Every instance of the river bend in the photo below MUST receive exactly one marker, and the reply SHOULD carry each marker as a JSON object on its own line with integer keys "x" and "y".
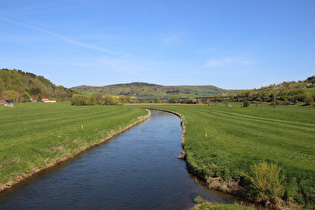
{"x": 137, "y": 169}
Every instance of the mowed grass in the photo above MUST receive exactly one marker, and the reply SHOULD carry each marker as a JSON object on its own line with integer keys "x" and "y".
{"x": 224, "y": 141}
{"x": 34, "y": 135}
{"x": 310, "y": 90}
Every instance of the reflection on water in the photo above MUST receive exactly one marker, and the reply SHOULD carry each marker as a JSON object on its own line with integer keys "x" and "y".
{"x": 135, "y": 170}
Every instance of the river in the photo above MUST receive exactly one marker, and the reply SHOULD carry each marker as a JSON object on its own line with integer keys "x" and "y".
{"x": 137, "y": 169}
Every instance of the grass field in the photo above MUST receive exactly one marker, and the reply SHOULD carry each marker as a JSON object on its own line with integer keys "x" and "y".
{"x": 36, "y": 135}
{"x": 310, "y": 90}
{"x": 225, "y": 142}
{"x": 220, "y": 141}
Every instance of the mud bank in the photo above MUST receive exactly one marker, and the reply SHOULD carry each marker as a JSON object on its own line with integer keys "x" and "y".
{"x": 24, "y": 176}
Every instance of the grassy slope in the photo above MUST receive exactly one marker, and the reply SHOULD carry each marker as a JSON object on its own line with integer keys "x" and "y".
{"x": 36, "y": 135}
{"x": 237, "y": 137}
{"x": 310, "y": 90}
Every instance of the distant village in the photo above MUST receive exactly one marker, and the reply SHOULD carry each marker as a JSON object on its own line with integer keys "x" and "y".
{"x": 7, "y": 102}
{"x": 45, "y": 100}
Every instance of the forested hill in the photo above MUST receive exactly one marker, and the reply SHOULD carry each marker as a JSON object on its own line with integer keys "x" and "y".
{"x": 286, "y": 92}
{"x": 140, "y": 89}
{"x": 17, "y": 85}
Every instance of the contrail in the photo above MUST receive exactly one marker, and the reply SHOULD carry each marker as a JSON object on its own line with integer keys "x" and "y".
{"x": 60, "y": 36}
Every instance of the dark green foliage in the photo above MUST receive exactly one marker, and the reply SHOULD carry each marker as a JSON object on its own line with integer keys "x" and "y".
{"x": 311, "y": 79}
{"x": 298, "y": 97}
{"x": 246, "y": 104}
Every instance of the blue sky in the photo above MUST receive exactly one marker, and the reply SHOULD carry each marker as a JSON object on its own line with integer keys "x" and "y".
{"x": 232, "y": 44}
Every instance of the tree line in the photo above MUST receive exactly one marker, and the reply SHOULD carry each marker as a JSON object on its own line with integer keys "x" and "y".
{"x": 98, "y": 99}
{"x": 286, "y": 93}
{"x": 20, "y": 86}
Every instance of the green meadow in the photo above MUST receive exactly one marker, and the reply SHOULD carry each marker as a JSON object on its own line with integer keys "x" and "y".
{"x": 36, "y": 135}
{"x": 221, "y": 143}
{"x": 225, "y": 142}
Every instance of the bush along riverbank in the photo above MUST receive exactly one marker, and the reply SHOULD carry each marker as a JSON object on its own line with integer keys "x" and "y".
{"x": 259, "y": 153}
{"x": 34, "y": 137}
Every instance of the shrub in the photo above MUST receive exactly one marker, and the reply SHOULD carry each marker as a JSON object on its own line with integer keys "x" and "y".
{"x": 94, "y": 99}
{"x": 190, "y": 100}
{"x": 110, "y": 100}
{"x": 122, "y": 99}
{"x": 246, "y": 104}
{"x": 173, "y": 99}
{"x": 266, "y": 181}
{"x": 309, "y": 100}
{"x": 298, "y": 97}
{"x": 79, "y": 100}
{"x": 157, "y": 100}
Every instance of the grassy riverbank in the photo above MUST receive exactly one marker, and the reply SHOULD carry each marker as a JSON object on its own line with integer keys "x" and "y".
{"x": 38, "y": 135}
{"x": 224, "y": 143}
{"x": 217, "y": 206}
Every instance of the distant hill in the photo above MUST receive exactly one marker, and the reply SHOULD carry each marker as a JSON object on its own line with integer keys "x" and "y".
{"x": 143, "y": 90}
{"x": 284, "y": 93}
{"x": 17, "y": 85}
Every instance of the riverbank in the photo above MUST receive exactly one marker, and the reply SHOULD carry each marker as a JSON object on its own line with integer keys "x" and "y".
{"x": 221, "y": 144}
{"x": 45, "y": 135}
{"x": 236, "y": 190}
{"x": 135, "y": 170}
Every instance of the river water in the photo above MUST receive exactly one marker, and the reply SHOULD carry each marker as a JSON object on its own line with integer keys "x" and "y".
{"x": 137, "y": 169}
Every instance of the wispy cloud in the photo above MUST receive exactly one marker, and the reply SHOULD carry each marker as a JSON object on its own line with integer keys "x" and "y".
{"x": 231, "y": 61}
{"x": 81, "y": 44}
{"x": 172, "y": 39}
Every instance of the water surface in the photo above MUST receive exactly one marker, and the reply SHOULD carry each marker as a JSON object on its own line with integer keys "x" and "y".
{"x": 136, "y": 170}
